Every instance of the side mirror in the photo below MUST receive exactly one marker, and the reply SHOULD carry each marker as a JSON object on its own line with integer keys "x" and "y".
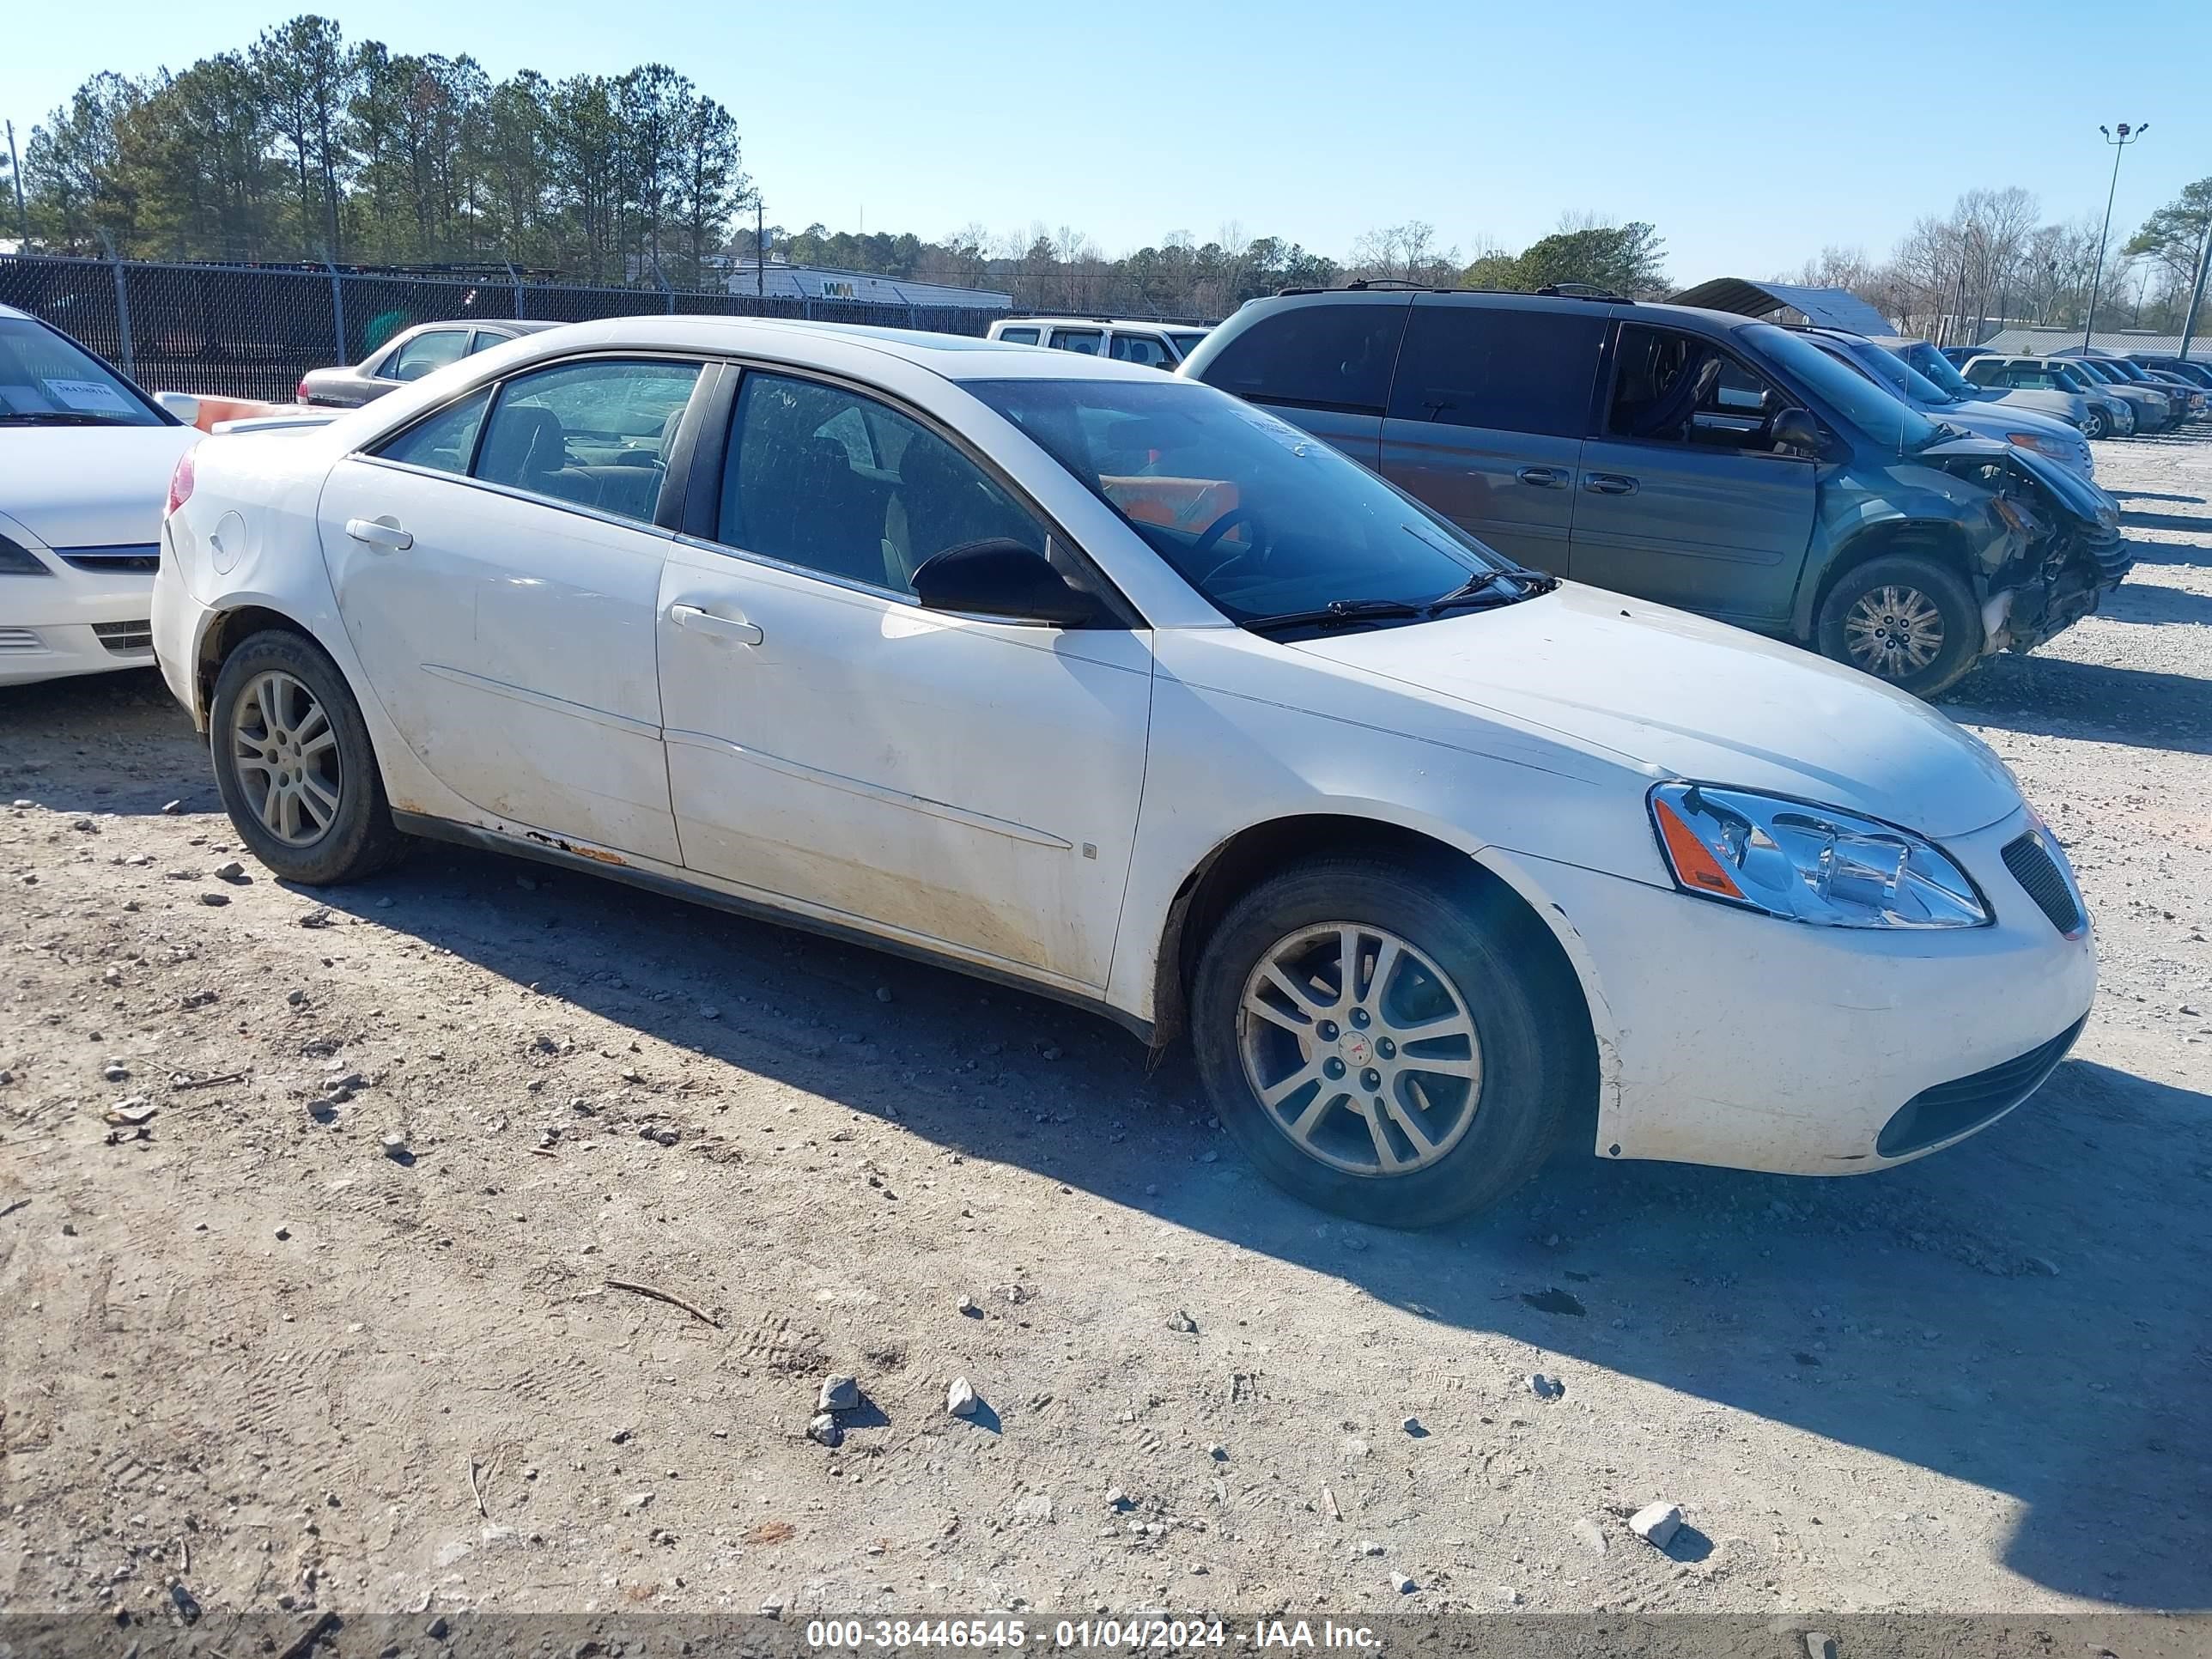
{"x": 1002, "y": 577}
{"x": 182, "y": 404}
{"x": 1795, "y": 428}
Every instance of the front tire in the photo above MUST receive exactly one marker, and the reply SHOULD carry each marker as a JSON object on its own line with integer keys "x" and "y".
{"x": 1385, "y": 1047}
{"x": 293, "y": 765}
{"x": 2094, "y": 426}
{"x": 1904, "y": 618}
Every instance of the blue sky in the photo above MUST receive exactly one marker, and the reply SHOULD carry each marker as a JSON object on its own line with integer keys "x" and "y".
{"x": 1750, "y": 136}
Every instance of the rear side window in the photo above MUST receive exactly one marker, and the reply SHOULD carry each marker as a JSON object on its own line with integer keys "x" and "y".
{"x": 1087, "y": 341}
{"x": 427, "y": 352}
{"x": 595, "y": 433}
{"x": 447, "y": 442}
{"x": 1147, "y": 349}
{"x": 1493, "y": 366}
{"x": 1315, "y": 356}
{"x": 1018, "y": 336}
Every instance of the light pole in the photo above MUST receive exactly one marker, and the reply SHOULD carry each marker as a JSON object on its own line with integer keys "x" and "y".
{"x": 2126, "y": 135}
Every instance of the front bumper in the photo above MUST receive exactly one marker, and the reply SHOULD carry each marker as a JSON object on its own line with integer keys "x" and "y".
{"x": 1752, "y": 1043}
{"x": 73, "y": 622}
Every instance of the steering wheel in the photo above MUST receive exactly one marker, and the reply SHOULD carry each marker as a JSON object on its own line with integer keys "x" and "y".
{"x": 1221, "y": 527}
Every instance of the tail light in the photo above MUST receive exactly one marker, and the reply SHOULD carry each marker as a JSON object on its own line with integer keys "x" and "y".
{"x": 300, "y": 392}
{"x": 180, "y": 484}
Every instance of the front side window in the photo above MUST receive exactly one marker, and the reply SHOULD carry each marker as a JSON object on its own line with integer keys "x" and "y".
{"x": 1499, "y": 368}
{"x": 447, "y": 442}
{"x": 1259, "y": 517}
{"x": 1673, "y": 387}
{"x": 596, "y": 433}
{"x": 47, "y": 380}
{"x": 1885, "y": 420}
{"x": 428, "y": 352}
{"x": 831, "y": 481}
{"x": 1088, "y": 341}
{"x": 1146, "y": 349}
{"x": 1334, "y": 356}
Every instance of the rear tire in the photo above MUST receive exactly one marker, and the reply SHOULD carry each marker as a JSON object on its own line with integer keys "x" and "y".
{"x": 1367, "y": 1120}
{"x": 293, "y": 764}
{"x": 1904, "y": 618}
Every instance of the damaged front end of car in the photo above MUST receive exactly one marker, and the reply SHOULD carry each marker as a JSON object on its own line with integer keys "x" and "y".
{"x": 2067, "y": 554}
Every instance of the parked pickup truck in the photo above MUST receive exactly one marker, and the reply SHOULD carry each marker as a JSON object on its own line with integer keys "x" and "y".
{"x": 1699, "y": 458}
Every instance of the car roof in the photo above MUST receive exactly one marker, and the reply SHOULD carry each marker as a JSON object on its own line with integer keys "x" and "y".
{"x": 1092, "y": 322}
{"x": 951, "y": 356}
{"x": 10, "y": 311}
{"x": 518, "y": 325}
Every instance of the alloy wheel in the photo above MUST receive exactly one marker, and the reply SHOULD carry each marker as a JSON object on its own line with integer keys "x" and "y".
{"x": 1359, "y": 1048}
{"x": 284, "y": 756}
{"x": 1894, "y": 632}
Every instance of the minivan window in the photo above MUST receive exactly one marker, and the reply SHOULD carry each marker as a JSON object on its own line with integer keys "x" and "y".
{"x": 1146, "y": 349}
{"x": 1672, "y": 387}
{"x": 1315, "y": 356}
{"x": 1018, "y": 336}
{"x": 1085, "y": 340}
{"x": 1501, "y": 368}
{"x": 1882, "y": 418}
{"x": 1260, "y": 517}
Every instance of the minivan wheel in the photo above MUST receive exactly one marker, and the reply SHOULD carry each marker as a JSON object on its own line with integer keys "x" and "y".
{"x": 1381, "y": 1047}
{"x": 293, "y": 765}
{"x": 1904, "y": 618}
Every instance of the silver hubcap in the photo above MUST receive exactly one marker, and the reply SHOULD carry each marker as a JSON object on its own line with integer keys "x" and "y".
{"x": 1359, "y": 1048}
{"x": 285, "y": 758}
{"x": 1894, "y": 632}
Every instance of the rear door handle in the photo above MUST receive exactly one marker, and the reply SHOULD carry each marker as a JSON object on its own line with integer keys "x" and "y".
{"x": 706, "y": 622}
{"x": 1609, "y": 483}
{"x": 1543, "y": 477}
{"x": 384, "y": 532}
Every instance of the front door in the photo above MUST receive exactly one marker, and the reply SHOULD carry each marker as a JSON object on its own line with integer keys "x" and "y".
{"x": 1681, "y": 497}
{"x": 1487, "y": 418}
{"x": 954, "y": 781}
{"x": 499, "y": 577}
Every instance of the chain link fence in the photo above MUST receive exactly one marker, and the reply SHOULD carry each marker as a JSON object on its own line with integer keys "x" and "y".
{"x": 251, "y": 331}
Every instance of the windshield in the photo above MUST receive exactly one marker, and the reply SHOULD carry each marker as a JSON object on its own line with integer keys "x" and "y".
{"x": 1926, "y": 359}
{"x": 1853, "y": 397}
{"x": 2089, "y": 371}
{"x": 1259, "y": 517}
{"x": 47, "y": 377}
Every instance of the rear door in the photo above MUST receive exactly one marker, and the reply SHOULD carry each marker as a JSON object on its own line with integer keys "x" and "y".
{"x": 1486, "y": 417}
{"x": 1324, "y": 363}
{"x": 1680, "y": 497}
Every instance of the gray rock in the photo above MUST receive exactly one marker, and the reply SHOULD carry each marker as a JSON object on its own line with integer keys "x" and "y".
{"x": 825, "y": 1429}
{"x": 1819, "y": 1644}
{"x": 1545, "y": 1387}
{"x": 1217, "y": 1452}
{"x": 214, "y": 898}
{"x": 967, "y": 1307}
{"x": 1033, "y": 1508}
{"x": 395, "y": 1146}
{"x": 1656, "y": 1524}
{"x": 232, "y": 870}
{"x": 1413, "y": 1426}
{"x": 637, "y": 1500}
{"x": 1591, "y": 1534}
{"x": 1403, "y": 1583}
{"x": 1117, "y": 1498}
{"x": 1367, "y": 1547}
{"x": 116, "y": 1072}
{"x": 839, "y": 1394}
{"x": 172, "y": 808}
{"x": 1181, "y": 1322}
{"x": 960, "y": 1400}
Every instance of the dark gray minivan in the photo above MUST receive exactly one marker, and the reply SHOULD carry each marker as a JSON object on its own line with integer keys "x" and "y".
{"x": 1701, "y": 460}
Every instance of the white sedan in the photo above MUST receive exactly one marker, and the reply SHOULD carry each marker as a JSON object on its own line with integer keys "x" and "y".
{"x": 1110, "y": 686}
{"x": 84, "y": 456}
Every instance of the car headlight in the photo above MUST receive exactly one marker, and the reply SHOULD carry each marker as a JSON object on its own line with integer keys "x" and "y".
{"x": 17, "y": 559}
{"x": 2039, "y": 443}
{"x": 1810, "y": 864}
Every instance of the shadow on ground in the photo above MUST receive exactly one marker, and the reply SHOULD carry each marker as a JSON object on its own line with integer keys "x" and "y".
{"x": 2054, "y": 696}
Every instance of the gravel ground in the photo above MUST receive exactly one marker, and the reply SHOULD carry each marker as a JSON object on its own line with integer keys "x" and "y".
{"x": 246, "y": 1348}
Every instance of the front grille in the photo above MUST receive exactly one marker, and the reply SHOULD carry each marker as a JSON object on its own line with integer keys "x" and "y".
{"x": 116, "y": 561}
{"x": 1952, "y": 1109}
{"x": 20, "y": 638}
{"x": 2040, "y": 877}
{"x": 124, "y": 637}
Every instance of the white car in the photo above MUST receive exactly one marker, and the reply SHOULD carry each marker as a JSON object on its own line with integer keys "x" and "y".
{"x": 1110, "y": 686}
{"x": 1156, "y": 345}
{"x": 84, "y": 458}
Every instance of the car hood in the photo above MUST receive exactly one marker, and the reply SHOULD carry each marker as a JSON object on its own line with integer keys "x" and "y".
{"x": 2015, "y": 417}
{"x": 89, "y": 486}
{"x": 1688, "y": 698}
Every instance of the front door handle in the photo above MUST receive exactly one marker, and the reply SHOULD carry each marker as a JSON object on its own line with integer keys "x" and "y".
{"x": 384, "y": 532}
{"x": 1609, "y": 483}
{"x": 1543, "y": 477}
{"x": 706, "y": 622}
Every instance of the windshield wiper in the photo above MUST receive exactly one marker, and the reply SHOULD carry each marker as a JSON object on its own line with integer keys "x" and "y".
{"x": 55, "y": 417}
{"x": 1337, "y": 613}
{"x": 1479, "y": 586}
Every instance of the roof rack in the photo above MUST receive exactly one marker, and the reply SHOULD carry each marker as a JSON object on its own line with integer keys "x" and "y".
{"x": 1584, "y": 291}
